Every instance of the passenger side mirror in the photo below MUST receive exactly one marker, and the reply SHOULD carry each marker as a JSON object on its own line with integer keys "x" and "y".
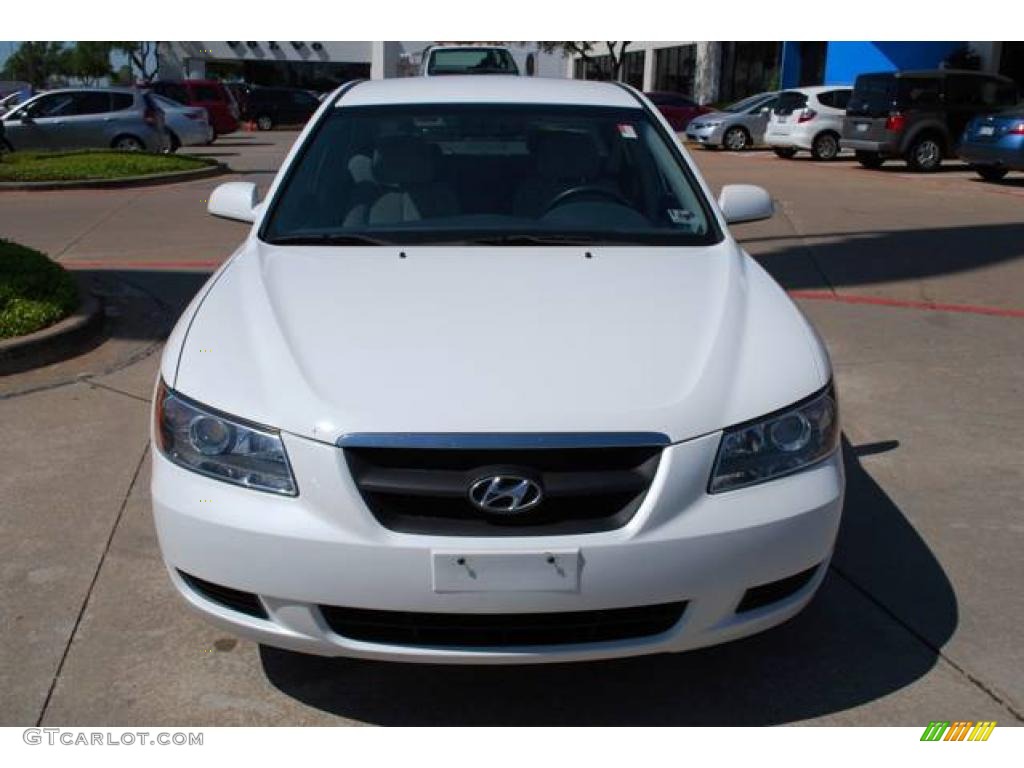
{"x": 235, "y": 200}
{"x": 745, "y": 202}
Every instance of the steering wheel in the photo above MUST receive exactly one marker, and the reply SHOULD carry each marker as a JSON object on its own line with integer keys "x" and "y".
{"x": 584, "y": 189}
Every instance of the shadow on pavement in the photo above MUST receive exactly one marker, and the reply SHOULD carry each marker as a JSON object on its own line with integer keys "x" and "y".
{"x": 845, "y": 650}
{"x": 837, "y": 259}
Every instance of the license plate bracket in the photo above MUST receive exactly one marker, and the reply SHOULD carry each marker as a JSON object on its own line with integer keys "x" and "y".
{"x": 550, "y": 570}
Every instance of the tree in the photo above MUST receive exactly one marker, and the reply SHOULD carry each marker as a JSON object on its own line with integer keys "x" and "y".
{"x": 607, "y": 67}
{"x": 89, "y": 60}
{"x": 123, "y": 75}
{"x": 144, "y": 57}
{"x": 36, "y": 63}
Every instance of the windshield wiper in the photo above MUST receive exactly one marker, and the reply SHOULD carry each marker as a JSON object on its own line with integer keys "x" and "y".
{"x": 539, "y": 239}
{"x": 328, "y": 239}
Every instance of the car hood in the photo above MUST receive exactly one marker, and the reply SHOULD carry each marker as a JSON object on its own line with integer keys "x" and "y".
{"x": 711, "y": 116}
{"x": 322, "y": 342}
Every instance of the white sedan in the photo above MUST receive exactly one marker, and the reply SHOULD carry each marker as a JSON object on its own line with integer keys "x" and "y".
{"x": 490, "y": 381}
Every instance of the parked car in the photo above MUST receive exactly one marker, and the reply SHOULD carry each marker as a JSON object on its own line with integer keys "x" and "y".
{"x": 77, "y": 118}
{"x": 240, "y": 92}
{"x": 993, "y": 144}
{"x": 211, "y": 95}
{"x": 678, "y": 109}
{"x": 186, "y": 126}
{"x": 808, "y": 119}
{"x": 10, "y": 101}
{"x": 918, "y": 115}
{"x": 736, "y": 127}
{"x": 468, "y": 60}
{"x": 269, "y": 107}
{"x": 510, "y": 392}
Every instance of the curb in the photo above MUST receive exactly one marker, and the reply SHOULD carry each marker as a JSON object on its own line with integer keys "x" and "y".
{"x": 151, "y": 180}
{"x": 55, "y": 342}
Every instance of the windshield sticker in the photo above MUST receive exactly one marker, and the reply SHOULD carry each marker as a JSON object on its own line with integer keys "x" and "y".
{"x": 627, "y": 131}
{"x": 680, "y": 216}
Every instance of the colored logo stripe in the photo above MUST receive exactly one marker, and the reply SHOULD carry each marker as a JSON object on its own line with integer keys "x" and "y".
{"x": 961, "y": 730}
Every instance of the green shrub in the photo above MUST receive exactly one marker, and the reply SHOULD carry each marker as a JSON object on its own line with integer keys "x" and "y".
{"x": 34, "y": 291}
{"x": 92, "y": 164}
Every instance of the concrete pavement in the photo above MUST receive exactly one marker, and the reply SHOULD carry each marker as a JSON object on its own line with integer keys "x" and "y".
{"x": 920, "y": 616}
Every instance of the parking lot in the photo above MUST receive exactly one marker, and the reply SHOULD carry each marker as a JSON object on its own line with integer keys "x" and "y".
{"x": 916, "y": 282}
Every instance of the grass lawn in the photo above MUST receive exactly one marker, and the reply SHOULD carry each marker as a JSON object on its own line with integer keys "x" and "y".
{"x": 34, "y": 291}
{"x": 91, "y": 164}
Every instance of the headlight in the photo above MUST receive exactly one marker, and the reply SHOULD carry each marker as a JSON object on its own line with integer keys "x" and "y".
{"x": 221, "y": 446}
{"x": 777, "y": 445}
{"x": 712, "y": 124}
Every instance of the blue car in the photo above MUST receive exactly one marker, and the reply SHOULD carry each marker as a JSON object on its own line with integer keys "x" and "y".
{"x": 994, "y": 144}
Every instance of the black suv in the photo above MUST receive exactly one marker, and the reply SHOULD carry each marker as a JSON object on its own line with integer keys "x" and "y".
{"x": 269, "y": 107}
{"x": 918, "y": 116}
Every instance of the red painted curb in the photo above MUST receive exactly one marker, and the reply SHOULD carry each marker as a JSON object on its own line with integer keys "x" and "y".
{"x": 139, "y": 265}
{"x": 843, "y": 298}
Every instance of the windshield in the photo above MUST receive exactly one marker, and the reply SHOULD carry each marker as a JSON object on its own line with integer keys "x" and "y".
{"x": 472, "y": 61}
{"x": 873, "y": 95}
{"x": 490, "y": 172}
{"x": 744, "y": 104}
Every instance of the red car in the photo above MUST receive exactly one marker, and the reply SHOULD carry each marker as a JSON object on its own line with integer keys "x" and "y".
{"x": 211, "y": 95}
{"x": 679, "y": 110}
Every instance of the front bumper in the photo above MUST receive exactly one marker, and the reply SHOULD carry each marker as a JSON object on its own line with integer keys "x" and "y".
{"x": 324, "y": 548}
{"x": 708, "y": 136}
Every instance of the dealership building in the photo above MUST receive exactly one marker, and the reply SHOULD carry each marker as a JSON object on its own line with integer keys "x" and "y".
{"x": 320, "y": 65}
{"x": 710, "y": 71}
{"x": 723, "y": 71}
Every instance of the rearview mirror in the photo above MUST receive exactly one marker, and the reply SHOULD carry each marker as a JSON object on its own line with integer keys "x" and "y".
{"x": 745, "y": 202}
{"x": 235, "y": 200}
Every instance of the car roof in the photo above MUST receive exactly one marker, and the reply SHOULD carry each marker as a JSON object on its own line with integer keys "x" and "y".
{"x": 811, "y": 90}
{"x": 492, "y": 89}
{"x": 433, "y": 48}
{"x": 932, "y": 73}
{"x": 98, "y": 89}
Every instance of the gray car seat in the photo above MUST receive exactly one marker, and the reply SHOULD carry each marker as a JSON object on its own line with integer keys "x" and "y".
{"x": 404, "y": 169}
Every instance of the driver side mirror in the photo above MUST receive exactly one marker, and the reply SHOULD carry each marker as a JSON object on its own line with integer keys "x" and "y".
{"x": 26, "y": 118}
{"x": 745, "y": 202}
{"x": 236, "y": 200}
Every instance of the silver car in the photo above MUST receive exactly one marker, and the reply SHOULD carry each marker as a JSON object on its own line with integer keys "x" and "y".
{"x": 86, "y": 118}
{"x": 186, "y": 126}
{"x": 738, "y": 126}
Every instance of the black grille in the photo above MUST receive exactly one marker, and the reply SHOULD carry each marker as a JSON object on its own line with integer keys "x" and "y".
{"x": 425, "y": 490}
{"x": 236, "y": 600}
{"x": 479, "y": 630}
{"x": 774, "y": 591}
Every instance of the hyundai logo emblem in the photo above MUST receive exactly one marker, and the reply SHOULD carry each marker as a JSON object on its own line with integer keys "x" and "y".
{"x": 505, "y": 494}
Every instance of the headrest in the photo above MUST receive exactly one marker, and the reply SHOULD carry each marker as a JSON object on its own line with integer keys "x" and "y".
{"x": 403, "y": 160}
{"x": 361, "y": 168}
{"x": 567, "y": 155}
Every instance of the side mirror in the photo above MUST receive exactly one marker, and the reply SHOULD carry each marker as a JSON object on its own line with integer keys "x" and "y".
{"x": 235, "y": 200}
{"x": 745, "y": 202}
{"x": 26, "y": 118}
